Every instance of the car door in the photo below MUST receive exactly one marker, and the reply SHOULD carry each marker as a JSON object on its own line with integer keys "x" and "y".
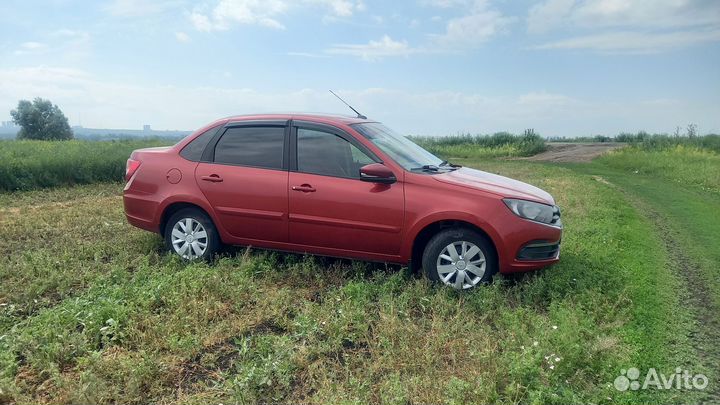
{"x": 244, "y": 177}
{"x": 330, "y": 206}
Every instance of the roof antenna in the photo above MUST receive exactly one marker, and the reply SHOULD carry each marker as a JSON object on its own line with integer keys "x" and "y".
{"x": 354, "y": 110}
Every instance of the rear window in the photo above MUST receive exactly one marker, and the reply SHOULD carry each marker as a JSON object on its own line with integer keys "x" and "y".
{"x": 194, "y": 150}
{"x": 252, "y": 146}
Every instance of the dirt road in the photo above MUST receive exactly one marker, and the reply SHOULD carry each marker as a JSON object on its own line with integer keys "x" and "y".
{"x": 574, "y": 152}
{"x": 695, "y": 294}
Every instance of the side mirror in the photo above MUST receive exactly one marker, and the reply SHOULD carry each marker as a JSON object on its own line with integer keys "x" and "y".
{"x": 377, "y": 173}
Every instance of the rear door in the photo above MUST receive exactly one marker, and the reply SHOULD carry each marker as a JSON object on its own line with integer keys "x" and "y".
{"x": 244, "y": 177}
{"x": 330, "y": 207}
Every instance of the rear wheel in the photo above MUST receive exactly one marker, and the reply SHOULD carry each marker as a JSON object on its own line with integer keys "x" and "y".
{"x": 191, "y": 234}
{"x": 460, "y": 258}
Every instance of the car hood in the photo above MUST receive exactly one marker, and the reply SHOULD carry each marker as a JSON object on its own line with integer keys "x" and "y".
{"x": 493, "y": 183}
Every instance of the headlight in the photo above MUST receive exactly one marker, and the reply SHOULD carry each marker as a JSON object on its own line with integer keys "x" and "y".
{"x": 547, "y": 214}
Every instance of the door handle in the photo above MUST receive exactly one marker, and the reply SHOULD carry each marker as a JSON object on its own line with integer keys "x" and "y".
{"x": 305, "y": 188}
{"x": 212, "y": 178}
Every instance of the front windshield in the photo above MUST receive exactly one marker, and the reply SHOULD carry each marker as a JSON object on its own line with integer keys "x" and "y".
{"x": 402, "y": 150}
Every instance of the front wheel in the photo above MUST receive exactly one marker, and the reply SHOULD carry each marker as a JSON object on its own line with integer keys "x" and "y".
{"x": 460, "y": 258}
{"x": 191, "y": 234}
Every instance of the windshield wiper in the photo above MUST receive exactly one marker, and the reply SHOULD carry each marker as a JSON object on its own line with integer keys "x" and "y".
{"x": 448, "y": 164}
{"x": 444, "y": 166}
{"x": 430, "y": 168}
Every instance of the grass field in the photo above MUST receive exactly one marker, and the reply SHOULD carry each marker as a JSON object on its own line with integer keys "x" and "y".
{"x": 109, "y": 318}
{"x": 679, "y": 165}
{"x": 501, "y": 144}
{"x": 654, "y": 142}
{"x": 93, "y": 311}
{"x": 30, "y": 165}
{"x": 27, "y": 165}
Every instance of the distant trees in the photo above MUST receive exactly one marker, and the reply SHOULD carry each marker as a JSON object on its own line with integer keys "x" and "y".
{"x": 41, "y": 119}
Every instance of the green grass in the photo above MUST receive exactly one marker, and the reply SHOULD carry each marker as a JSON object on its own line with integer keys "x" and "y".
{"x": 680, "y": 165}
{"x": 648, "y": 141}
{"x": 687, "y": 206}
{"x": 664, "y": 141}
{"x": 27, "y": 165}
{"x": 92, "y": 311}
{"x": 501, "y": 144}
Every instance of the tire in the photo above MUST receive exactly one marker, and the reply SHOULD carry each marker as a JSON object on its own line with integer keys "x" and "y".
{"x": 201, "y": 243}
{"x": 440, "y": 264}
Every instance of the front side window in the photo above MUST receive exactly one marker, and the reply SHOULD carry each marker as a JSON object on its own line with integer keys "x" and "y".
{"x": 252, "y": 146}
{"x": 327, "y": 154}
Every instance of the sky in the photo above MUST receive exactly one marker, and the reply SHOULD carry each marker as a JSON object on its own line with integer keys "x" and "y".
{"x": 423, "y": 67}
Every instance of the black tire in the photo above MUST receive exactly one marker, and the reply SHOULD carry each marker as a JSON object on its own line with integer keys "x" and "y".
{"x": 212, "y": 239}
{"x": 445, "y": 238}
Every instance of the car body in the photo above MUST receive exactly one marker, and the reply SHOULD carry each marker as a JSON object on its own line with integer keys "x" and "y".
{"x": 335, "y": 186}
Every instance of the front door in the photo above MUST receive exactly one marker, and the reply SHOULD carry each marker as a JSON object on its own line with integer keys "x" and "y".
{"x": 246, "y": 183}
{"x": 330, "y": 207}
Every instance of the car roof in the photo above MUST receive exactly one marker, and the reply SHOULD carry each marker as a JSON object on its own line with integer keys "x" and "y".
{"x": 317, "y": 117}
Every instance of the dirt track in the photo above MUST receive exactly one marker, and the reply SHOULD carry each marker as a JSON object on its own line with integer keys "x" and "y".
{"x": 574, "y": 152}
{"x": 697, "y": 296}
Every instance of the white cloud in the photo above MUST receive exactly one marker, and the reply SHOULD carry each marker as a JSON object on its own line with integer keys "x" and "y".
{"x": 340, "y": 8}
{"x": 656, "y": 13}
{"x": 374, "y": 50}
{"x": 547, "y": 15}
{"x": 260, "y": 12}
{"x": 635, "y": 42}
{"x": 543, "y": 98}
{"x": 106, "y": 104}
{"x": 69, "y": 44}
{"x": 479, "y": 23}
{"x": 445, "y": 3}
{"x": 472, "y": 30}
{"x": 201, "y": 22}
{"x": 227, "y": 13}
{"x": 182, "y": 37}
{"x": 32, "y": 46}
{"x": 462, "y": 33}
{"x": 623, "y": 13}
{"x": 627, "y": 26}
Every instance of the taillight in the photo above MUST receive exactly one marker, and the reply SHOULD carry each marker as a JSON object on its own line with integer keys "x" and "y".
{"x": 131, "y": 168}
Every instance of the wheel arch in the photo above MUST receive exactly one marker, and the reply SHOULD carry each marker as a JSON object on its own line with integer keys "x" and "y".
{"x": 425, "y": 232}
{"x": 173, "y": 207}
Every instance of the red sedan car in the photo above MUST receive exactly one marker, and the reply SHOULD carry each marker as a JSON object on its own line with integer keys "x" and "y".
{"x": 338, "y": 186}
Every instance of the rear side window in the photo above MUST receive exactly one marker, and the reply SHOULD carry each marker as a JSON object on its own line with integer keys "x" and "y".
{"x": 194, "y": 150}
{"x": 252, "y": 146}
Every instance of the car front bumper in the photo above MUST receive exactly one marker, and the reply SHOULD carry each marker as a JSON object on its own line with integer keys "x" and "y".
{"x": 529, "y": 246}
